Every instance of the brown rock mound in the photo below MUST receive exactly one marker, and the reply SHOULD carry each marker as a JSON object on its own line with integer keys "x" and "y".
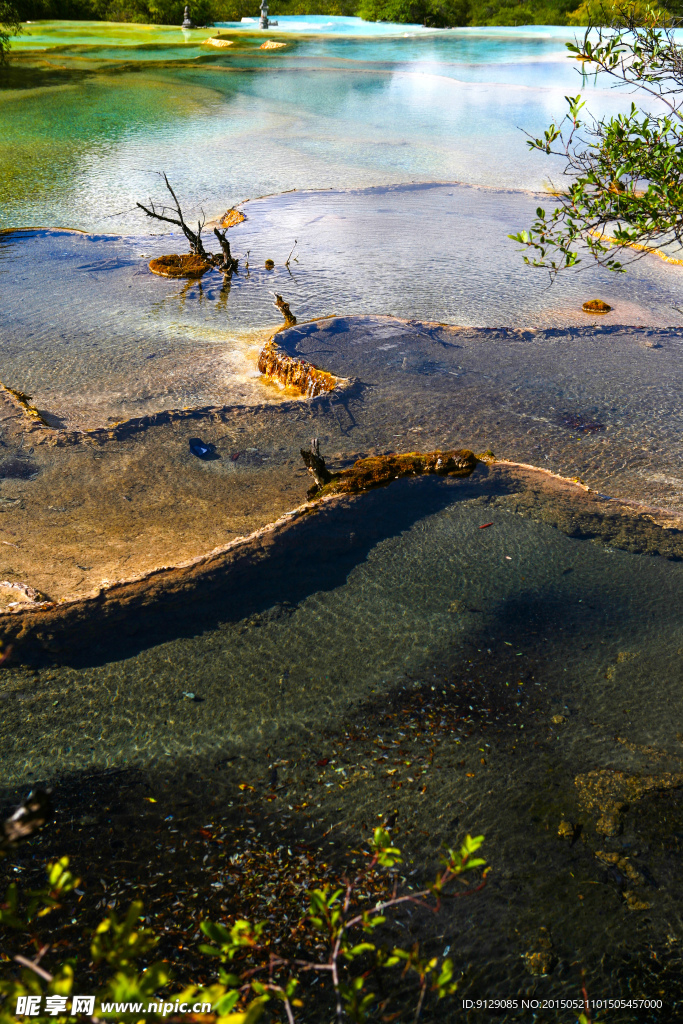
{"x": 596, "y": 306}
{"x": 179, "y": 266}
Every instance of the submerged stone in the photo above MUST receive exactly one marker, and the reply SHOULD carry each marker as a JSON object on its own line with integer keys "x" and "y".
{"x": 17, "y": 469}
{"x": 203, "y": 449}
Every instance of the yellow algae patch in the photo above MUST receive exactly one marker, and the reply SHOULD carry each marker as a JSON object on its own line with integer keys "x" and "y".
{"x": 217, "y": 41}
{"x": 270, "y": 44}
{"x": 641, "y": 248}
{"x": 179, "y": 266}
{"x": 22, "y": 403}
{"x": 603, "y": 789}
{"x": 609, "y": 792}
{"x": 232, "y": 217}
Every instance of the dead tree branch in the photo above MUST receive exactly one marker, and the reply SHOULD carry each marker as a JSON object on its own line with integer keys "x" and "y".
{"x": 229, "y": 264}
{"x": 290, "y": 319}
{"x": 193, "y": 237}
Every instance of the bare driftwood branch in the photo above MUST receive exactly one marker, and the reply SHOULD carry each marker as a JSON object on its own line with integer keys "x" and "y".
{"x": 287, "y": 261}
{"x": 290, "y": 319}
{"x": 193, "y": 237}
{"x": 315, "y": 464}
{"x": 33, "y": 966}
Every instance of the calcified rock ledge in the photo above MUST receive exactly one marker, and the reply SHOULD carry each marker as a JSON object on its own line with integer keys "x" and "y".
{"x": 17, "y": 414}
{"x": 50, "y": 625}
{"x": 21, "y": 417}
{"x": 296, "y": 373}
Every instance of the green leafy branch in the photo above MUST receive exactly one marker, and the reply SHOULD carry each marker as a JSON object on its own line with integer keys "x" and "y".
{"x": 350, "y": 937}
{"x": 626, "y": 187}
{"x": 335, "y": 921}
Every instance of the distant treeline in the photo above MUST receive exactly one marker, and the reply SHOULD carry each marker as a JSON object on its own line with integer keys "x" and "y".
{"x": 434, "y": 13}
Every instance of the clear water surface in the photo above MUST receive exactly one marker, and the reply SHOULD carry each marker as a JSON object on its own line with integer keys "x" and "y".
{"x": 394, "y": 157}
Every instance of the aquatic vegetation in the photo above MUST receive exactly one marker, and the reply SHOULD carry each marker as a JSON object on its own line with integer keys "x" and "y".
{"x": 180, "y": 266}
{"x": 609, "y": 792}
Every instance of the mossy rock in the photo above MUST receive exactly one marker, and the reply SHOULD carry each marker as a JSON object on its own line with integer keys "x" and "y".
{"x": 179, "y": 266}
{"x": 379, "y": 470}
{"x": 596, "y": 306}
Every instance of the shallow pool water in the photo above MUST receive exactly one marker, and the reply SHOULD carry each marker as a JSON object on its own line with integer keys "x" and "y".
{"x": 87, "y": 125}
{"x": 495, "y": 639}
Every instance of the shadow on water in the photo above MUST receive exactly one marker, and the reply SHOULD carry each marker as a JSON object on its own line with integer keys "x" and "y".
{"x": 18, "y": 75}
{"x": 315, "y": 555}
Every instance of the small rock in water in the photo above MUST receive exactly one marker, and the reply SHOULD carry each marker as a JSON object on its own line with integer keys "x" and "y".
{"x": 633, "y": 901}
{"x": 542, "y": 959}
{"x": 540, "y": 963}
{"x": 596, "y": 306}
{"x": 202, "y": 449}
